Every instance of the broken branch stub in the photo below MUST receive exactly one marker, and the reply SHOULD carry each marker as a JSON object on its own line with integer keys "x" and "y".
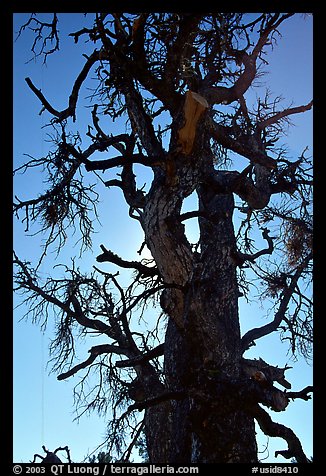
{"x": 194, "y": 106}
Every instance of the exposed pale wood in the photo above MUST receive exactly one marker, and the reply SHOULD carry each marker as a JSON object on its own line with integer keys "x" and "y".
{"x": 194, "y": 107}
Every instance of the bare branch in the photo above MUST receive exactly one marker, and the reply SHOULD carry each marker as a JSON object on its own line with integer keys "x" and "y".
{"x": 177, "y": 53}
{"x": 41, "y": 97}
{"x": 157, "y": 400}
{"x": 266, "y": 251}
{"x": 256, "y": 196}
{"x": 272, "y": 373}
{"x": 64, "y": 448}
{"x": 142, "y": 359}
{"x": 71, "y": 109}
{"x": 119, "y": 161}
{"x": 78, "y": 367}
{"x": 52, "y": 37}
{"x": 108, "y": 255}
{"x": 259, "y": 332}
{"x": 66, "y": 179}
{"x": 134, "y": 197}
{"x": 220, "y": 94}
{"x": 222, "y": 135}
{"x": 94, "y": 351}
{"x": 95, "y": 324}
{"x": 270, "y": 428}
{"x": 303, "y": 394}
{"x": 28, "y": 281}
{"x": 271, "y": 25}
{"x": 162, "y": 89}
{"x": 193, "y": 214}
{"x": 287, "y": 112}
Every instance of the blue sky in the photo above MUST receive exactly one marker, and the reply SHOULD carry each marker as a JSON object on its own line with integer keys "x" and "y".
{"x": 43, "y": 406}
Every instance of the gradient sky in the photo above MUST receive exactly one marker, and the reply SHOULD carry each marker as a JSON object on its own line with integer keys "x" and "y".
{"x": 43, "y": 406}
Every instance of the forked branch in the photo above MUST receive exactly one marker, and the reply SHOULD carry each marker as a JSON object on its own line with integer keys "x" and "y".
{"x": 270, "y": 428}
{"x": 94, "y": 351}
{"x": 70, "y": 111}
{"x": 111, "y": 257}
{"x": 302, "y": 394}
{"x": 269, "y": 250}
{"x": 259, "y": 332}
{"x": 142, "y": 359}
{"x": 280, "y": 115}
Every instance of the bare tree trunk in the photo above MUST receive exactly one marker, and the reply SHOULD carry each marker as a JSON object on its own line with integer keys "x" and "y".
{"x": 202, "y": 342}
{"x": 222, "y": 431}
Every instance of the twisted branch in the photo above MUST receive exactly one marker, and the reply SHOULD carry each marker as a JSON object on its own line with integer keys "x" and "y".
{"x": 270, "y": 428}
{"x": 262, "y": 331}
{"x": 94, "y": 351}
{"x": 108, "y": 255}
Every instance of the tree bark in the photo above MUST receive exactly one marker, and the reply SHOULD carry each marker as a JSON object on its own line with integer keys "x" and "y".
{"x": 222, "y": 431}
{"x": 202, "y": 342}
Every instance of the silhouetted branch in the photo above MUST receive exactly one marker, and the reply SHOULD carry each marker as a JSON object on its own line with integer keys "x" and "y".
{"x": 272, "y": 373}
{"x": 161, "y": 88}
{"x": 239, "y": 183}
{"x": 142, "y": 359}
{"x": 111, "y": 257}
{"x": 303, "y": 394}
{"x": 52, "y": 37}
{"x": 221, "y": 94}
{"x": 157, "y": 400}
{"x": 259, "y": 332}
{"x": 64, "y": 448}
{"x": 72, "y": 103}
{"x": 266, "y": 251}
{"x": 222, "y": 135}
{"x": 41, "y": 97}
{"x": 120, "y": 160}
{"x": 270, "y": 428}
{"x": 287, "y": 112}
{"x": 94, "y": 351}
{"x": 193, "y": 214}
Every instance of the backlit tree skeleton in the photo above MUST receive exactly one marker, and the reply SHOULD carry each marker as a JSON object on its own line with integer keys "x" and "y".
{"x": 199, "y": 395}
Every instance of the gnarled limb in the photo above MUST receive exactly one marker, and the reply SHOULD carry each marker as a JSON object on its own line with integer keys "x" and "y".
{"x": 252, "y": 257}
{"x": 164, "y": 397}
{"x": 239, "y": 183}
{"x": 219, "y": 94}
{"x": 223, "y": 135}
{"x": 119, "y": 161}
{"x": 141, "y": 359}
{"x": 52, "y": 37}
{"x": 271, "y": 428}
{"x": 135, "y": 198}
{"x": 303, "y": 394}
{"x": 95, "y": 352}
{"x": 163, "y": 89}
{"x": 262, "y": 331}
{"x": 176, "y": 54}
{"x": 111, "y": 257}
{"x": 70, "y": 111}
{"x": 272, "y": 373}
{"x": 280, "y": 115}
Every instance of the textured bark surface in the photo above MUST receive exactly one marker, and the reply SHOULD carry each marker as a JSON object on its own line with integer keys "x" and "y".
{"x": 202, "y": 340}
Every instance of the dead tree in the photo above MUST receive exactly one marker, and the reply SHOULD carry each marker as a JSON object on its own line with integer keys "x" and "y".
{"x": 180, "y": 82}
